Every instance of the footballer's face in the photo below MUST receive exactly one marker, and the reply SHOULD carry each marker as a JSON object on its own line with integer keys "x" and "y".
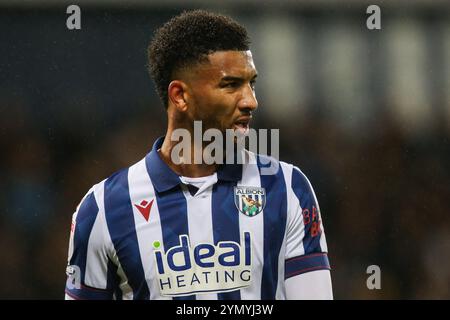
{"x": 222, "y": 91}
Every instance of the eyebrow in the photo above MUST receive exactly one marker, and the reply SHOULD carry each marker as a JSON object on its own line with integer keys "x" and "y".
{"x": 233, "y": 78}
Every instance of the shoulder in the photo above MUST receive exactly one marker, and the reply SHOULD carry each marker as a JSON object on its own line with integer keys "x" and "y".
{"x": 115, "y": 187}
{"x": 269, "y": 165}
{"x": 117, "y": 182}
{"x": 294, "y": 178}
{"x": 299, "y": 179}
{"x": 88, "y": 207}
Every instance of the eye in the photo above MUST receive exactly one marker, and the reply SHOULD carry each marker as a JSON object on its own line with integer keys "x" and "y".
{"x": 231, "y": 85}
{"x": 253, "y": 84}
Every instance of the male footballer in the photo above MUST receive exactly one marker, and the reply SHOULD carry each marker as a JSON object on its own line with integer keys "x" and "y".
{"x": 166, "y": 229}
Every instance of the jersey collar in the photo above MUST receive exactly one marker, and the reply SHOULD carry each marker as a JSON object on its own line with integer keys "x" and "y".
{"x": 164, "y": 178}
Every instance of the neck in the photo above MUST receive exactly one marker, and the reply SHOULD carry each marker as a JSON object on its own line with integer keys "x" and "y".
{"x": 187, "y": 167}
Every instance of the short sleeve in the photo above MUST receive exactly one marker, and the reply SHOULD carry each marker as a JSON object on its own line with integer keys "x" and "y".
{"x": 88, "y": 265}
{"x": 306, "y": 247}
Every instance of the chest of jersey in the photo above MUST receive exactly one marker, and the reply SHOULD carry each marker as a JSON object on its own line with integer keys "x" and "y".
{"x": 222, "y": 239}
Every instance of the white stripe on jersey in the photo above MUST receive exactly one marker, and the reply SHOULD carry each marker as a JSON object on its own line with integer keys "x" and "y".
{"x": 290, "y": 214}
{"x": 127, "y": 291}
{"x": 295, "y": 227}
{"x": 254, "y": 225}
{"x": 141, "y": 188}
{"x": 200, "y": 222}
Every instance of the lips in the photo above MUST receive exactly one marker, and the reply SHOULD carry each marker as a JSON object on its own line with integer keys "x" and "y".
{"x": 242, "y": 124}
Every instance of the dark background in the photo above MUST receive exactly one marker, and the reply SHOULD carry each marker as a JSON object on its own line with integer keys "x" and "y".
{"x": 364, "y": 113}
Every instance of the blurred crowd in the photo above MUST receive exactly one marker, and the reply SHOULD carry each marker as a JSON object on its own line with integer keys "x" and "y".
{"x": 384, "y": 196}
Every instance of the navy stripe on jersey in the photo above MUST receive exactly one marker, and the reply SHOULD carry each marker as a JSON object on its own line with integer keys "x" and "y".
{"x": 170, "y": 199}
{"x": 87, "y": 213}
{"x": 174, "y": 221}
{"x": 225, "y": 218}
{"x": 121, "y": 226}
{"x": 304, "y": 193}
{"x": 89, "y": 293}
{"x": 303, "y": 264}
{"x": 113, "y": 280}
{"x": 275, "y": 215}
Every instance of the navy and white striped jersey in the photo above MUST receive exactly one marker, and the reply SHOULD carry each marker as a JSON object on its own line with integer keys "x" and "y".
{"x": 143, "y": 234}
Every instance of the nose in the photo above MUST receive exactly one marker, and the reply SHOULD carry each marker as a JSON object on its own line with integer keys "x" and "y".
{"x": 248, "y": 100}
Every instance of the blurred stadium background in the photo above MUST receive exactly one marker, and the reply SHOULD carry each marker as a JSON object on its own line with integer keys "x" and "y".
{"x": 365, "y": 114}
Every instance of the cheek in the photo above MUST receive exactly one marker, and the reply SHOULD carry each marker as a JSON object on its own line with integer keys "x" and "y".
{"x": 219, "y": 117}
{"x": 216, "y": 105}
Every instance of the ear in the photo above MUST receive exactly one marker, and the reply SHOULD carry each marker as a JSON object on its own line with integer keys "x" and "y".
{"x": 177, "y": 95}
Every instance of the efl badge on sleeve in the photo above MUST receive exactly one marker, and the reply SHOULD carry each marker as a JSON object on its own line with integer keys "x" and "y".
{"x": 250, "y": 200}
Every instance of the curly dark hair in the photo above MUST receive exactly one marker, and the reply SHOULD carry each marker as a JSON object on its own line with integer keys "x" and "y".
{"x": 186, "y": 40}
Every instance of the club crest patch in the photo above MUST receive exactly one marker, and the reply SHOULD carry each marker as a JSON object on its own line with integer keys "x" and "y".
{"x": 250, "y": 200}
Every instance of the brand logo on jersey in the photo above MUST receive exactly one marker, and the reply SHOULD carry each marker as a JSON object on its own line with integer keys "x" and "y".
{"x": 144, "y": 208}
{"x": 205, "y": 268}
{"x": 250, "y": 200}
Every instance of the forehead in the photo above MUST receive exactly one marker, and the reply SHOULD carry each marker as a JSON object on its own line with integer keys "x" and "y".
{"x": 228, "y": 63}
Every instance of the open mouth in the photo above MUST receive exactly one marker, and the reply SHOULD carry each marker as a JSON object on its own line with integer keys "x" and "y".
{"x": 242, "y": 125}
